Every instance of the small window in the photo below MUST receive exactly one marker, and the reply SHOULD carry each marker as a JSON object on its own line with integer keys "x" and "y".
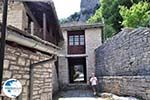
{"x": 82, "y": 40}
{"x": 71, "y": 43}
{"x": 76, "y": 43}
{"x": 76, "y": 40}
{"x": 81, "y": 36}
{"x": 71, "y": 40}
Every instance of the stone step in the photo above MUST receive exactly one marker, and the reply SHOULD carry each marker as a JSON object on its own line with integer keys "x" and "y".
{"x": 77, "y": 86}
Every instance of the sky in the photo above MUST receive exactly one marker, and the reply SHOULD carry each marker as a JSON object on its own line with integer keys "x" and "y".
{"x": 65, "y": 8}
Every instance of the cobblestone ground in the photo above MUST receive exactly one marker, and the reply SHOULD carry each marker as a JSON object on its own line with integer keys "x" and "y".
{"x": 76, "y": 95}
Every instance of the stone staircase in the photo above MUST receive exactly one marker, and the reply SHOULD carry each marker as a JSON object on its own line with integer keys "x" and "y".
{"x": 77, "y": 86}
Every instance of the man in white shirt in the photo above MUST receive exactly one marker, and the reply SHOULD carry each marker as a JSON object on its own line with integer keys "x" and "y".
{"x": 94, "y": 82}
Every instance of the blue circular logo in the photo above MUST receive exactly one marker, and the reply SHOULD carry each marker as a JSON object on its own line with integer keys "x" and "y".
{"x": 12, "y": 88}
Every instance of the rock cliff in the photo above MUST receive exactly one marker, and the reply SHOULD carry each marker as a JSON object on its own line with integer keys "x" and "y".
{"x": 87, "y": 9}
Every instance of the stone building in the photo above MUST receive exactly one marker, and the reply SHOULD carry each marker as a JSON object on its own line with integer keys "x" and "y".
{"x": 77, "y": 57}
{"x": 32, "y": 45}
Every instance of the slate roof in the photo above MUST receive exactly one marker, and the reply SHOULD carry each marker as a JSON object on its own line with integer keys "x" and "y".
{"x": 80, "y": 26}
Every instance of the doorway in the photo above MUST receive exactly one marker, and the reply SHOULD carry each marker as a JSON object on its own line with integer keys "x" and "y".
{"x": 77, "y": 70}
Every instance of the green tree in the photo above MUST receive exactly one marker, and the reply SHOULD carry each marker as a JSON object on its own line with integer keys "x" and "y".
{"x": 109, "y": 11}
{"x": 137, "y": 15}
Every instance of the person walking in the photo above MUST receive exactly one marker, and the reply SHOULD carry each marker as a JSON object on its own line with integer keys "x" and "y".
{"x": 94, "y": 83}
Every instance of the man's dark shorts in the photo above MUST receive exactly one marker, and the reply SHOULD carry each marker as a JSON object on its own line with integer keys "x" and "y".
{"x": 94, "y": 86}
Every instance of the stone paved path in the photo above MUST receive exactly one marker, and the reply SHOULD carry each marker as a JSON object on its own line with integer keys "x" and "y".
{"x": 76, "y": 95}
{"x": 84, "y": 92}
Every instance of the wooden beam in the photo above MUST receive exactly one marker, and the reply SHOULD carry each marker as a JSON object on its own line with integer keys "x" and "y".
{"x": 44, "y": 26}
{"x": 32, "y": 28}
{"x": 30, "y": 14}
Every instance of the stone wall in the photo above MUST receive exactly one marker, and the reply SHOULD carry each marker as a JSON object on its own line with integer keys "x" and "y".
{"x": 63, "y": 71}
{"x": 93, "y": 39}
{"x": 16, "y": 16}
{"x": 63, "y": 62}
{"x": 16, "y": 65}
{"x": 55, "y": 80}
{"x": 136, "y": 86}
{"x": 127, "y": 53}
{"x": 123, "y": 63}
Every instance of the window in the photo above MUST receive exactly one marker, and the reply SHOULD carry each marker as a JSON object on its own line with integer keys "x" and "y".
{"x": 76, "y": 40}
{"x": 81, "y": 39}
{"x": 70, "y": 40}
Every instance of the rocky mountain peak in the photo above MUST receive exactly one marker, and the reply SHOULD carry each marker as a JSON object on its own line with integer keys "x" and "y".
{"x": 89, "y": 5}
{"x": 88, "y": 8}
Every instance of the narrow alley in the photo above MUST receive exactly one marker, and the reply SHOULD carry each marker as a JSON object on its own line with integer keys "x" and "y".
{"x": 84, "y": 92}
{"x": 76, "y": 94}
{"x": 98, "y": 51}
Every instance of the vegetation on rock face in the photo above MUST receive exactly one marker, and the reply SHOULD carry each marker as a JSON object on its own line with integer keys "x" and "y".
{"x": 71, "y": 18}
{"x": 137, "y": 15}
{"x": 109, "y": 14}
